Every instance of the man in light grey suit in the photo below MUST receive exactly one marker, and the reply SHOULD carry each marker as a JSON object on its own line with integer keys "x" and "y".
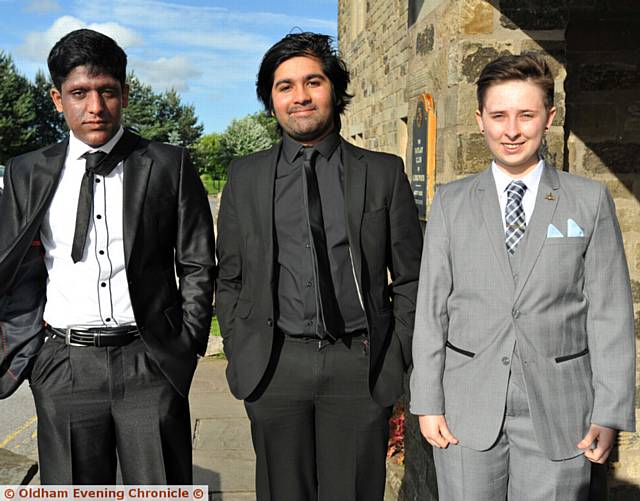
{"x": 523, "y": 349}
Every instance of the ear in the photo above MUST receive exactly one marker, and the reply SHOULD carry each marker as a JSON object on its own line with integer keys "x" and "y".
{"x": 550, "y": 116}
{"x": 56, "y": 97}
{"x": 125, "y": 95}
{"x": 479, "y": 121}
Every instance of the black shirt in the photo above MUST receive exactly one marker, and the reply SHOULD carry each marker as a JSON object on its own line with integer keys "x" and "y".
{"x": 296, "y": 283}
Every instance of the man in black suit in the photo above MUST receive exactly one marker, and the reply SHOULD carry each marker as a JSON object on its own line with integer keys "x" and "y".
{"x": 316, "y": 337}
{"x": 117, "y": 218}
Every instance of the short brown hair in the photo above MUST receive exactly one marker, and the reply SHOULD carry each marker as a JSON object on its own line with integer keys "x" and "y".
{"x": 517, "y": 67}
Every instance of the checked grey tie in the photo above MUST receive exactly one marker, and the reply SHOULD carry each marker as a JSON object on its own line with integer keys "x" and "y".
{"x": 514, "y": 215}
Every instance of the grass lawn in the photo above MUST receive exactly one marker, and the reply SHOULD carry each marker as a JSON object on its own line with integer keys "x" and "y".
{"x": 215, "y": 328}
{"x": 213, "y": 186}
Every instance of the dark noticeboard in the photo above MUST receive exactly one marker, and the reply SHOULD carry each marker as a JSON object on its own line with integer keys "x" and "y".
{"x": 423, "y": 154}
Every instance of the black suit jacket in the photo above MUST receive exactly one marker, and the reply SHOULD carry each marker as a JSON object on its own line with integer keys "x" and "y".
{"x": 167, "y": 221}
{"x": 384, "y": 236}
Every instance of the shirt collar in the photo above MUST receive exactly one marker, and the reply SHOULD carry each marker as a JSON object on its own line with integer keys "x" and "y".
{"x": 77, "y": 148}
{"x": 326, "y": 147}
{"x": 531, "y": 180}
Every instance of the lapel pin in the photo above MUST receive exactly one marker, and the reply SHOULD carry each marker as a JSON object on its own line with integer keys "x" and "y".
{"x": 550, "y": 196}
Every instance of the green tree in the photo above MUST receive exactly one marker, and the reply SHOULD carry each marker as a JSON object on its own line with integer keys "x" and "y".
{"x": 206, "y": 156}
{"x": 270, "y": 123}
{"x": 50, "y": 126}
{"x": 241, "y": 137}
{"x": 160, "y": 117}
{"x": 17, "y": 111}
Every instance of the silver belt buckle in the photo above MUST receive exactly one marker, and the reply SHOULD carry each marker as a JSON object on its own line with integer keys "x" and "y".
{"x": 67, "y": 338}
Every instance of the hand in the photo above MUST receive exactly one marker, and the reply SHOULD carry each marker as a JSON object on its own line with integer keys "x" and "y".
{"x": 603, "y": 437}
{"x": 434, "y": 428}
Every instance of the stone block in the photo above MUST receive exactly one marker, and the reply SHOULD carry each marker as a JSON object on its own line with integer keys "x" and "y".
{"x": 473, "y": 154}
{"x": 629, "y": 219}
{"x": 476, "y": 17}
{"x": 554, "y": 52}
{"x": 594, "y": 120}
{"x": 466, "y": 105}
{"x": 621, "y": 187}
{"x": 424, "y": 40}
{"x": 16, "y": 469}
{"x": 621, "y": 34}
{"x": 554, "y": 154}
{"x": 473, "y": 56}
{"x": 609, "y": 77}
{"x": 635, "y": 294}
{"x": 611, "y": 156}
{"x": 214, "y": 346}
{"x": 533, "y": 15}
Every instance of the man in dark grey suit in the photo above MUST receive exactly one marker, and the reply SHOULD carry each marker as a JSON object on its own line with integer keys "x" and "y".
{"x": 316, "y": 337}
{"x": 116, "y": 218}
{"x": 524, "y": 348}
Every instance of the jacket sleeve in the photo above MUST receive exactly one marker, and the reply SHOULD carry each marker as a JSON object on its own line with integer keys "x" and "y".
{"x": 405, "y": 238}
{"x": 229, "y": 253}
{"x": 195, "y": 256}
{"x": 610, "y": 326}
{"x": 432, "y": 319}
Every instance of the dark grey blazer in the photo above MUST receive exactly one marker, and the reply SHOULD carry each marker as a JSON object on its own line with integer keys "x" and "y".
{"x": 167, "y": 220}
{"x": 384, "y": 236}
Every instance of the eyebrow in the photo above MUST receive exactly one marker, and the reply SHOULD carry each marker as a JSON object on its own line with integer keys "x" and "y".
{"x": 308, "y": 77}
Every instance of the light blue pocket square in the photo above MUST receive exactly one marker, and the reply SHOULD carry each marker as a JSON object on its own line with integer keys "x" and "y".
{"x": 553, "y": 232}
{"x": 573, "y": 230}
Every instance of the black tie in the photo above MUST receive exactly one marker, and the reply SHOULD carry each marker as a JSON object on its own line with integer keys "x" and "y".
{"x": 101, "y": 164}
{"x": 329, "y": 312}
{"x": 85, "y": 203}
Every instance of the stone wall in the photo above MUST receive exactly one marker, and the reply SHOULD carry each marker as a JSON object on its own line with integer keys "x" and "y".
{"x": 593, "y": 47}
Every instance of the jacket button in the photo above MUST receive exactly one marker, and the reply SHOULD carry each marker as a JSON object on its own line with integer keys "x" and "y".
{"x": 505, "y": 360}
{"x": 515, "y": 314}
{"x": 269, "y": 322}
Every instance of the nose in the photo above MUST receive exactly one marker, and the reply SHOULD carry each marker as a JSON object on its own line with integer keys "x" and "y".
{"x": 512, "y": 128}
{"x": 301, "y": 95}
{"x": 95, "y": 103}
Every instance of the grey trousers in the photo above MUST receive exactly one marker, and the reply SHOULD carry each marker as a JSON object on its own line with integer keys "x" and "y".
{"x": 97, "y": 406}
{"x": 514, "y": 468}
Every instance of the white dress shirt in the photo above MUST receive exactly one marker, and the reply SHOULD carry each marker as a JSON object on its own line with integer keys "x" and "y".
{"x": 531, "y": 181}
{"x": 94, "y": 291}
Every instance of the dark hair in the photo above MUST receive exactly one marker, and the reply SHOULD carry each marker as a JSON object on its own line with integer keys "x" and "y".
{"x": 310, "y": 45}
{"x": 512, "y": 67}
{"x": 99, "y": 53}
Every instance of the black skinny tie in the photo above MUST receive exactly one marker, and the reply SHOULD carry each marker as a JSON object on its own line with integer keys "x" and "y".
{"x": 93, "y": 166}
{"x": 330, "y": 313}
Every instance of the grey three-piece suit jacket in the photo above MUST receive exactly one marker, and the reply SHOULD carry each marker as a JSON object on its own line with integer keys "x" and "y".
{"x": 567, "y": 308}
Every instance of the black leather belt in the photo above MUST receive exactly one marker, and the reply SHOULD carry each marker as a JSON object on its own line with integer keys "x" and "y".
{"x": 91, "y": 336}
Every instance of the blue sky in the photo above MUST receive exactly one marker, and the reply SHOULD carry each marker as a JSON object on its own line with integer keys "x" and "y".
{"x": 209, "y": 51}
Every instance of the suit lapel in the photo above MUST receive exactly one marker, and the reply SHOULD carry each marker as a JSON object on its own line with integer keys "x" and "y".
{"x": 543, "y": 212}
{"x": 137, "y": 168}
{"x": 264, "y": 193}
{"x": 490, "y": 208}
{"x": 355, "y": 180}
{"x": 46, "y": 174}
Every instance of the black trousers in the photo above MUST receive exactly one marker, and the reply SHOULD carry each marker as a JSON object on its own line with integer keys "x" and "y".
{"x": 95, "y": 403}
{"x": 317, "y": 433}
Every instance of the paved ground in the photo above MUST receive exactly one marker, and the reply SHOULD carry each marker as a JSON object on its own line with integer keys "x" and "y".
{"x": 223, "y": 455}
{"x": 222, "y": 452}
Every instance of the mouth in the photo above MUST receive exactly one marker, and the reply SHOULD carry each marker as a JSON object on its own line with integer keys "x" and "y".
{"x": 95, "y": 123}
{"x": 302, "y": 111}
{"x": 512, "y": 147}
